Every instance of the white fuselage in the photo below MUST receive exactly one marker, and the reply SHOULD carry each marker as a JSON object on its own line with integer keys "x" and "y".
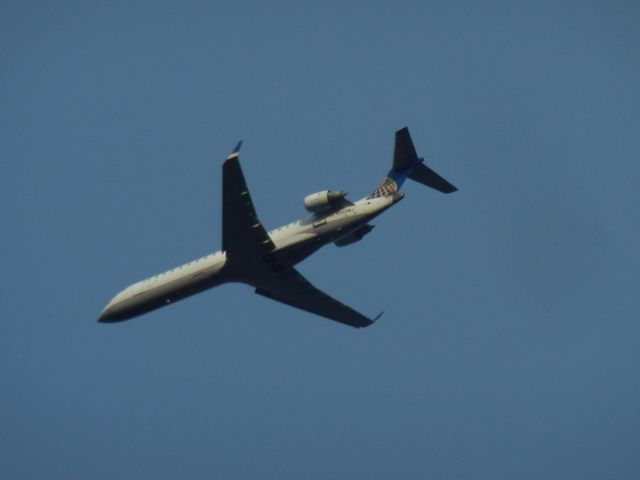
{"x": 294, "y": 241}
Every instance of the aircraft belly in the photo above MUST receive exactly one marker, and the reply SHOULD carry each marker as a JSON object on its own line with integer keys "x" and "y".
{"x": 342, "y": 226}
{"x": 298, "y": 247}
{"x": 297, "y": 252}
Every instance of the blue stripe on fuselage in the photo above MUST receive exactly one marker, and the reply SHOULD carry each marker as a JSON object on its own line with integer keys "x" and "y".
{"x": 399, "y": 176}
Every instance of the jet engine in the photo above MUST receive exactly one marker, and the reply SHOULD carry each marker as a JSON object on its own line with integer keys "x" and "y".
{"x": 354, "y": 237}
{"x": 320, "y": 201}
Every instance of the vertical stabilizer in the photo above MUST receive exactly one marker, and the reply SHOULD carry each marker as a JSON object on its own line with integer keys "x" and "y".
{"x": 407, "y": 164}
{"x": 404, "y": 153}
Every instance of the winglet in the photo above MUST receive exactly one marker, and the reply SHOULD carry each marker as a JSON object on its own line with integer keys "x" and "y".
{"x": 378, "y": 316}
{"x": 236, "y": 151}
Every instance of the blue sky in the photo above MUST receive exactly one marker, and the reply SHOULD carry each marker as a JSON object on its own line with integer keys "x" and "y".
{"x": 509, "y": 346}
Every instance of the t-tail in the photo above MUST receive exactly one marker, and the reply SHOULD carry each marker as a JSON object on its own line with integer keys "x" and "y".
{"x": 407, "y": 164}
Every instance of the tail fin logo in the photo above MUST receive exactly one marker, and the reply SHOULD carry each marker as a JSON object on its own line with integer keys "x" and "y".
{"x": 387, "y": 187}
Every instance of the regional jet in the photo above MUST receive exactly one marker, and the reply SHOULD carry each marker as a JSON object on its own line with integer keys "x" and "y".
{"x": 266, "y": 260}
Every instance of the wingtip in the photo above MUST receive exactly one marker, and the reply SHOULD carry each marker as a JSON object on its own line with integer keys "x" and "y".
{"x": 449, "y": 188}
{"x": 371, "y": 321}
{"x": 236, "y": 151}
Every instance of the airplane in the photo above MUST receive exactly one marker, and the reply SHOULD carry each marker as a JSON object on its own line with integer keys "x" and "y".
{"x": 265, "y": 260}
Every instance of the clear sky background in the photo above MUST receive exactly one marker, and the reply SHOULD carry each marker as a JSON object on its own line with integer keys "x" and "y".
{"x": 509, "y": 346}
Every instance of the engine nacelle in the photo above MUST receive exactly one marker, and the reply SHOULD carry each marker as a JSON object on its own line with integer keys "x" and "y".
{"x": 320, "y": 201}
{"x": 354, "y": 237}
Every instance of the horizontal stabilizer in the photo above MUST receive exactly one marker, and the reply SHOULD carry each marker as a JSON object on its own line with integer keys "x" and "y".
{"x": 424, "y": 175}
{"x": 406, "y": 164}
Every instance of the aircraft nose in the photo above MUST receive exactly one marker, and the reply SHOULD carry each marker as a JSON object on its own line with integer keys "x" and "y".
{"x": 116, "y": 310}
{"x": 107, "y": 315}
{"x": 113, "y": 312}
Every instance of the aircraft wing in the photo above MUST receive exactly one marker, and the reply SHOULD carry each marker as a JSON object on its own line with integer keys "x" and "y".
{"x": 242, "y": 232}
{"x": 290, "y": 287}
{"x": 248, "y": 243}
